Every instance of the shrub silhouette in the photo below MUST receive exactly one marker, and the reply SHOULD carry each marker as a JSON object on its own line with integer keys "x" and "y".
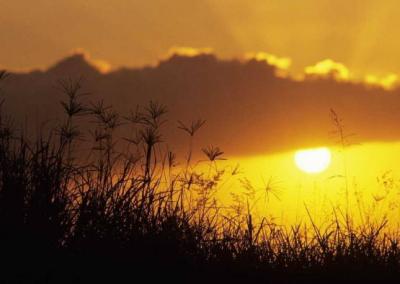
{"x": 66, "y": 217}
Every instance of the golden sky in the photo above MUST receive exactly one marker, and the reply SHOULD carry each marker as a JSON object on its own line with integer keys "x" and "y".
{"x": 362, "y": 35}
{"x": 349, "y": 39}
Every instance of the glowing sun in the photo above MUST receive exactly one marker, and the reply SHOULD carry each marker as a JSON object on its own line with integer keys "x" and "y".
{"x": 313, "y": 161}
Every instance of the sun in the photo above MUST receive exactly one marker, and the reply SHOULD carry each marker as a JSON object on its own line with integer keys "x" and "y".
{"x": 313, "y": 161}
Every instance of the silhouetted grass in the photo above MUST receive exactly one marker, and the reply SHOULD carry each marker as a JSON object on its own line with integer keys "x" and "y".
{"x": 73, "y": 209}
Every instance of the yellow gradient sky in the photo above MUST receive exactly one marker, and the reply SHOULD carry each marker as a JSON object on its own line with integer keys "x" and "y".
{"x": 356, "y": 39}
{"x": 282, "y": 190}
{"x": 360, "y": 34}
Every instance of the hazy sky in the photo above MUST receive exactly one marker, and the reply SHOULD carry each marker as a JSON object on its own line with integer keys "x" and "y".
{"x": 362, "y": 34}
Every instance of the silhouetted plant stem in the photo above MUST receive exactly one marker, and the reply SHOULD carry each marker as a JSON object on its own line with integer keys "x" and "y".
{"x": 339, "y": 131}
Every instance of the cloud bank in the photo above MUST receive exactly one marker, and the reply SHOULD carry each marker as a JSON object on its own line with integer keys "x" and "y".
{"x": 249, "y": 107}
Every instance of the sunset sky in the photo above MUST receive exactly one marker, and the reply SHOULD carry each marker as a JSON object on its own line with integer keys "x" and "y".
{"x": 199, "y": 55}
{"x": 207, "y": 141}
{"x": 359, "y": 34}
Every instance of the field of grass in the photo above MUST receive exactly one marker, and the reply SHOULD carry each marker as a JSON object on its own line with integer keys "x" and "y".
{"x": 75, "y": 209}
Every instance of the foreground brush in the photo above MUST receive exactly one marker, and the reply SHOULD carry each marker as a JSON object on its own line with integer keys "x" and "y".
{"x": 75, "y": 209}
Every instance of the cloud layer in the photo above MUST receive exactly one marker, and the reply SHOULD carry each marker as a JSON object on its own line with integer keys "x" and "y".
{"x": 249, "y": 107}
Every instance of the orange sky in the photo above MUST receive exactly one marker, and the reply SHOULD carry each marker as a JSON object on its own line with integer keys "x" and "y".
{"x": 359, "y": 34}
{"x": 349, "y": 39}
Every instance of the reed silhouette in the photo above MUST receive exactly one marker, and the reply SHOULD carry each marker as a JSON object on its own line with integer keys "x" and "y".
{"x": 74, "y": 209}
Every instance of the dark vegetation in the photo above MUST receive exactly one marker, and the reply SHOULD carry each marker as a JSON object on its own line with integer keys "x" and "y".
{"x": 73, "y": 209}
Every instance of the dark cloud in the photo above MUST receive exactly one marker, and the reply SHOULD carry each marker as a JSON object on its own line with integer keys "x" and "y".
{"x": 249, "y": 109}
